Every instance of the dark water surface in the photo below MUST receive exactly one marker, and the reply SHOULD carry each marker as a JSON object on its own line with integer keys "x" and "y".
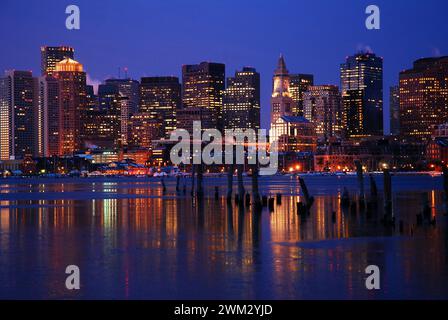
{"x": 132, "y": 241}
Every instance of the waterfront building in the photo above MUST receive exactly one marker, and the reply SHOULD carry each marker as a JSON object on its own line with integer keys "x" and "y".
{"x": 423, "y": 98}
{"x": 322, "y": 106}
{"x": 47, "y": 116}
{"x": 362, "y": 95}
{"x": 298, "y": 85}
{"x": 281, "y": 102}
{"x": 18, "y": 105}
{"x": 203, "y": 87}
{"x": 72, "y": 104}
{"x": 50, "y": 56}
{"x": 294, "y": 134}
{"x": 129, "y": 92}
{"x": 241, "y": 106}
{"x": 394, "y": 106}
{"x": 161, "y": 98}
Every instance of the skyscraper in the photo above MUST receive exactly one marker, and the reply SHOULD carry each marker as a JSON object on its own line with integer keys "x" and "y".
{"x": 362, "y": 95}
{"x": 322, "y": 106}
{"x": 72, "y": 104}
{"x": 241, "y": 103}
{"x": 394, "y": 108}
{"x": 281, "y": 102}
{"x": 160, "y": 97}
{"x": 423, "y": 97}
{"x": 52, "y": 55}
{"x": 17, "y": 115}
{"x": 299, "y": 84}
{"x": 102, "y": 125}
{"x": 203, "y": 87}
{"x": 129, "y": 92}
{"x": 48, "y": 116}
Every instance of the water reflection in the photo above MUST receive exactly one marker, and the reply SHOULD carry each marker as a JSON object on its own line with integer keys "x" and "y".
{"x": 155, "y": 245}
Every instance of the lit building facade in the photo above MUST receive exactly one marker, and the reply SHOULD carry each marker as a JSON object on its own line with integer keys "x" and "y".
{"x": 48, "y": 117}
{"x": 144, "y": 129}
{"x": 322, "y": 106}
{"x": 161, "y": 98}
{"x": 203, "y": 87}
{"x": 299, "y": 84}
{"x": 281, "y": 101}
{"x": 423, "y": 98}
{"x": 294, "y": 134}
{"x": 241, "y": 105}
{"x": 102, "y": 126}
{"x": 50, "y": 56}
{"x": 394, "y": 109}
{"x": 72, "y": 105}
{"x": 129, "y": 91}
{"x": 362, "y": 95}
{"x": 17, "y": 115}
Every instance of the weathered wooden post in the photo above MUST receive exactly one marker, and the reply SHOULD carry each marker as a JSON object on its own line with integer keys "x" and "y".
{"x": 426, "y": 207}
{"x": 345, "y": 199}
{"x": 373, "y": 188}
{"x": 309, "y": 200}
{"x": 200, "y": 191}
{"x": 255, "y": 190}
{"x": 193, "y": 173}
{"x": 230, "y": 172}
{"x": 388, "y": 216}
{"x": 445, "y": 187}
{"x": 216, "y": 193}
{"x": 163, "y": 185}
{"x": 241, "y": 190}
{"x": 360, "y": 175}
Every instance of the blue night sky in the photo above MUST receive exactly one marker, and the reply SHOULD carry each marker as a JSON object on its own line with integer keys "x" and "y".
{"x": 155, "y": 37}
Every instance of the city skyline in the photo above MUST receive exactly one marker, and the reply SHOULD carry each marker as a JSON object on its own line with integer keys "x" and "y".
{"x": 164, "y": 52}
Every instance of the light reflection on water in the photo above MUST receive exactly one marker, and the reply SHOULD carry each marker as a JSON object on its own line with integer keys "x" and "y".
{"x": 132, "y": 241}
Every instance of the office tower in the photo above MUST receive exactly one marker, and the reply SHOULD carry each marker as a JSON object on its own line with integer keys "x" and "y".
{"x": 144, "y": 129}
{"x": 92, "y": 102}
{"x": 362, "y": 95}
{"x": 102, "y": 127}
{"x": 322, "y": 106}
{"x": 72, "y": 104}
{"x": 52, "y": 55}
{"x": 299, "y": 84}
{"x": 281, "y": 102}
{"x": 203, "y": 87}
{"x": 17, "y": 115}
{"x": 241, "y": 102}
{"x": 423, "y": 97}
{"x": 394, "y": 109}
{"x": 160, "y": 97}
{"x": 130, "y": 99}
{"x": 47, "y": 116}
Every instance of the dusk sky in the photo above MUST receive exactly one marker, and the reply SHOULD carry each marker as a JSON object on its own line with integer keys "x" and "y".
{"x": 156, "y": 37}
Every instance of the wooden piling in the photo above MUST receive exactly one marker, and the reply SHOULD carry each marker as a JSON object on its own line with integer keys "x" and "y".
{"x": 360, "y": 175}
{"x": 445, "y": 187}
{"x": 200, "y": 191}
{"x": 309, "y": 200}
{"x": 255, "y": 190}
{"x": 388, "y": 216}
{"x": 230, "y": 172}
{"x": 216, "y": 193}
{"x": 241, "y": 190}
